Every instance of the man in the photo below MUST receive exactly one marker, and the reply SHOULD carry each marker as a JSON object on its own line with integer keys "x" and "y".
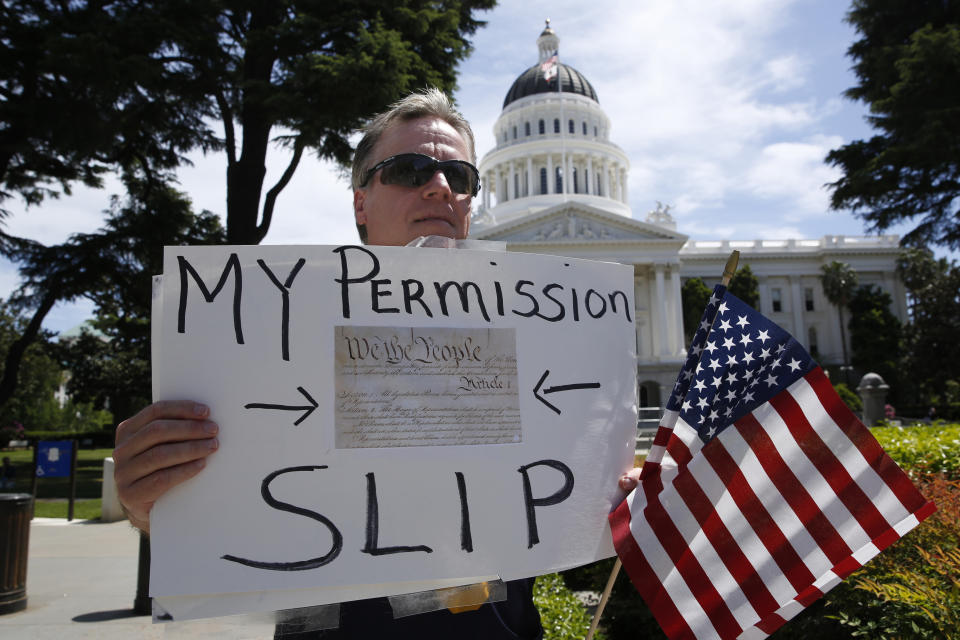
{"x": 413, "y": 175}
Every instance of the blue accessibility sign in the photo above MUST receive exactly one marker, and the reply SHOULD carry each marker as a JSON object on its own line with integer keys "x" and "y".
{"x": 53, "y": 458}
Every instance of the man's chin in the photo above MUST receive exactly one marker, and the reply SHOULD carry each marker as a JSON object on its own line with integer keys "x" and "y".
{"x": 436, "y": 227}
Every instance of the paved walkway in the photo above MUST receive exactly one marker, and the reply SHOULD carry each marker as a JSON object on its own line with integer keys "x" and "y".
{"x": 81, "y": 582}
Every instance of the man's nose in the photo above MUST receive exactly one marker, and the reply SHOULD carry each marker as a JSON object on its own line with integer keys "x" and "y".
{"x": 437, "y": 187}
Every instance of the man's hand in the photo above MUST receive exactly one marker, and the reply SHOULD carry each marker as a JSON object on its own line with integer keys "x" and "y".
{"x": 160, "y": 447}
{"x": 630, "y": 480}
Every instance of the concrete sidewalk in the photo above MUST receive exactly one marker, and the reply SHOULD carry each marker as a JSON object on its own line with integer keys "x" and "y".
{"x": 81, "y": 582}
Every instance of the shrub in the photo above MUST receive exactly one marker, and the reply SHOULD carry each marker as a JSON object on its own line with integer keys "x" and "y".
{"x": 849, "y": 398}
{"x": 923, "y": 449}
{"x": 562, "y": 614}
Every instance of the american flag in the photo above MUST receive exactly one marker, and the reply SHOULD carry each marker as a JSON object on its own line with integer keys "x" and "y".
{"x": 549, "y": 67}
{"x": 762, "y": 490}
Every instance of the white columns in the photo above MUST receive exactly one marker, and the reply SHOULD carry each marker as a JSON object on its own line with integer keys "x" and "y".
{"x": 606, "y": 179}
{"x": 528, "y": 190}
{"x": 799, "y": 332}
{"x": 623, "y": 186}
{"x": 765, "y": 307}
{"x": 512, "y": 186}
{"x": 663, "y": 348}
{"x": 551, "y": 175}
{"x": 676, "y": 315}
{"x": 588, "y": 176}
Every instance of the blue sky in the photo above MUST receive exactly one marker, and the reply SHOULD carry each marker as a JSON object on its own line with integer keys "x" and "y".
{"x": 725, "y": 109}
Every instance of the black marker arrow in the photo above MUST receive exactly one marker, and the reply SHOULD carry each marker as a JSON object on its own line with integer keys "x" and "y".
{"x": 307, "y": 409}
{"x": 559, "y": 387}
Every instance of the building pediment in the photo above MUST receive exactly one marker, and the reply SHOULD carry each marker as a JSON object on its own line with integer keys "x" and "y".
{"x": 576, "y": 223}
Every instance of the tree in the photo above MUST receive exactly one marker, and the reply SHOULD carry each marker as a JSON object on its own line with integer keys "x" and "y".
{"x": 81, "y": 92}
{"x": 694, "y": 295}
{"x": 931, "y": 347}
{"x": 875, "y": 335}
{"x": 745, "y": 286}
{"x": 839, "y": 283}
{"x": 907, "y": 61}
{"x": 113, "y": 365}
{"x": 146, "y": 78}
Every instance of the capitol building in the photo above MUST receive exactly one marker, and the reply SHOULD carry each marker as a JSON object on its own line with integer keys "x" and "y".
{"x": 556, "y": 183}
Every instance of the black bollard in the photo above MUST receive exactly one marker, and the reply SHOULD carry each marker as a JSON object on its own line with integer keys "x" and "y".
{"x": 141, "y": 604}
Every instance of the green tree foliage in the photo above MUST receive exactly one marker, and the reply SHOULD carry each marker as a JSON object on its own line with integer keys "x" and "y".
{"x": 113, "y": 363}
{"x": 907, "y": 62}
{"x": 82, "y": 90}
{"x": 839, "y": 283}
{"x": 34, "y": 405}
{"x": 694, "y": 295}
{"x": 745, "y": 286}
{"x": 931, "y": 340}
{"x": 875, "y": 335}
{"x": 143, "y": 81}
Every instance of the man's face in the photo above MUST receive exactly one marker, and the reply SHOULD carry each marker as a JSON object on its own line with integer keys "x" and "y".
{"x": 394, "y": 214}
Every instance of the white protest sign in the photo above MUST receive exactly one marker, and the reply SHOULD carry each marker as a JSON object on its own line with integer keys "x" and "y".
{"x": 391, "y": 415}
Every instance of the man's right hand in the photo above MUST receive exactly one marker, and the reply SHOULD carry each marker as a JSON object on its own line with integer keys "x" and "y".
{"x": 160, "y": 447}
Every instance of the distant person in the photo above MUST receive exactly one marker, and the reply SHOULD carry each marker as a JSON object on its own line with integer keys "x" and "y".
{"x": 932, "y": 414}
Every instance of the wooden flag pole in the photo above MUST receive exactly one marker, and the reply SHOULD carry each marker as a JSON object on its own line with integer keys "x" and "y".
{"x": 728, "y": 270}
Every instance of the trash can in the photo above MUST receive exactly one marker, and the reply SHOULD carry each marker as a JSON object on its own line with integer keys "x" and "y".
{"x": 15, "y": 512}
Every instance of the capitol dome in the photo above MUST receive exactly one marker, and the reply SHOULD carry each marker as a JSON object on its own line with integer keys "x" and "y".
{"x": 552, "y": 146}
{"x": 531, "y": 81}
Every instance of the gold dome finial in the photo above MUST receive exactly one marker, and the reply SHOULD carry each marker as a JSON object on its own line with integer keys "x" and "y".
{"x": 547, "y": 30}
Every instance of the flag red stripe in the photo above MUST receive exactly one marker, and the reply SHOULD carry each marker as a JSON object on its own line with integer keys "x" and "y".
{"x": 846, "y": 567}
{"x": 723, "y": 542}
{"x": 678, "y": 450}
{"x": 644, "y": 579}
{"x": 757, "y": 515}
{"x": 868, "y": 446}
{"x": 770, "y": 623}
{"x": 663, "y": 436}
{"x": 792, "y": 490}
{"x": 833, "y": 471}
{"x": 690, "y": 569}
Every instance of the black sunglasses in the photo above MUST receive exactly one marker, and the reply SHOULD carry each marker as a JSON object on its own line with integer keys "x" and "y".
{"x": 417, "y": 169}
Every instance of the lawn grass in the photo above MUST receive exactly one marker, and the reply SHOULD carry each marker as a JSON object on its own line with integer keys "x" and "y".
{"x": 82, "y": 509}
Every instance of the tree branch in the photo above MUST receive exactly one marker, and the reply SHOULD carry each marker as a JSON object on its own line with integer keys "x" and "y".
{"x": 11, "y": 369}
{"x": 271, "y": 198}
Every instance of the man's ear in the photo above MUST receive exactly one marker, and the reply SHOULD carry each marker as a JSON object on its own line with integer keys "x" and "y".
{"x": 359, "y": 213}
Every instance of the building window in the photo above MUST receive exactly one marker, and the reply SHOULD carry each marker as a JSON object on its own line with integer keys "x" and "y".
{"x": 812, "y": 345}
{"x": 516, "y": 185}
{"x": 559, "y": 175}
{"x": 584, "y": 128}
{"x": 556, "y": 125}
{"x": 594, "y": 132}
{"x": 570, "y": 127}
{"x": 575, "y": 183}
{"x": 776, "y": 299}
{"x": 542, "y": 128}
{"x": 526, "y": 129}
{"x": 514, "y": 132}
{"x": 599, "y": 189}
{"x": 808, "y": 298}
{"x": 543, "y": 177}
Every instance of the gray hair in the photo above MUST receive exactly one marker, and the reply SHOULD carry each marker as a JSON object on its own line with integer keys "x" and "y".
{"x": 423, "y": 104}
{"x": 426, "y": 103}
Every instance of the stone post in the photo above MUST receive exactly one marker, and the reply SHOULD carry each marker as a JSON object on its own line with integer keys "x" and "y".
{"x": 873, "y": 393}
